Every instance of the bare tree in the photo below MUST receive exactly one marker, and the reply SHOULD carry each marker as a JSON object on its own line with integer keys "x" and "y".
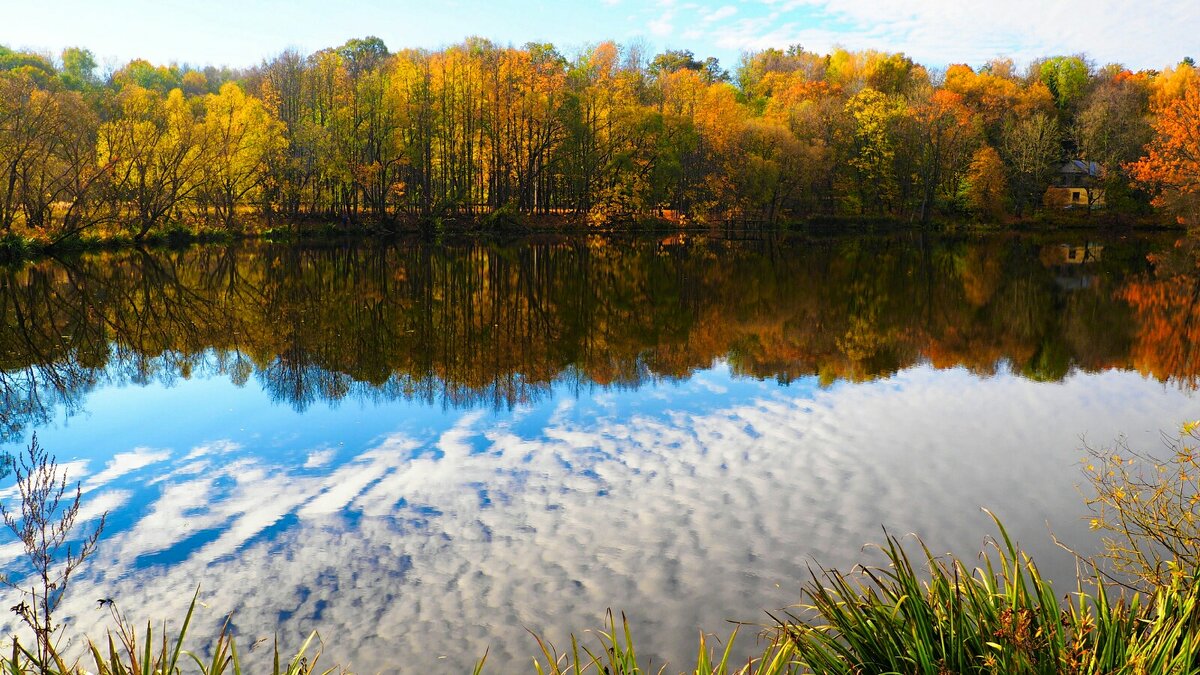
{"x": 1030, "y": 147}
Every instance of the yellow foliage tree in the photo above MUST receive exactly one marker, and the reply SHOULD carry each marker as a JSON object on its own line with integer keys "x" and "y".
{"x": 1148, "y": 508}
{"x": 155, "y": 153}
{"x": 986, "y": 187}
{"x": 242, "y": 136}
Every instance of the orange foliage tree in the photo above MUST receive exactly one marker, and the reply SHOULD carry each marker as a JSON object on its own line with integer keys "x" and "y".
{"x": 1171, "y": 167}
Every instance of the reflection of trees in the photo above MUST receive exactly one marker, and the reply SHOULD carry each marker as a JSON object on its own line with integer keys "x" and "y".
{"x": 497, "y": 325}
{"x": 44, "y": 354}
{"x": 1166, "y": 307}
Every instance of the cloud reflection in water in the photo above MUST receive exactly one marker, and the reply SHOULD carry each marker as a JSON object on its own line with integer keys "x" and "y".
{"x": 442, "y": 537}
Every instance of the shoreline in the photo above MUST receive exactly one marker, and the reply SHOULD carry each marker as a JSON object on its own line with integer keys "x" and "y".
{"x": 15, "y": 248}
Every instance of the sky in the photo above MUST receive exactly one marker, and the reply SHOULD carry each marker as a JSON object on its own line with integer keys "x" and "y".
{"x": 1146, "y": 34}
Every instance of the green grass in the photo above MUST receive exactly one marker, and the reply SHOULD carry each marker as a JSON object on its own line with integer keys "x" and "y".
{"x": 614, "y": 654}
{"x": 126, "y": 651}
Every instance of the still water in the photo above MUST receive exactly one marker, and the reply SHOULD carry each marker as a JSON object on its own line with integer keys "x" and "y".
{"x": 421, "y": 451}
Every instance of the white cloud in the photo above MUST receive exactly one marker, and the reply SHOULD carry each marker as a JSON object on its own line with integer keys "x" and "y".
{"x": 73, "y": 470}
{"x": 220, "y": 447}
{"x": 319, "y": 458}
{"x": 10, "y": 551}
{"x": 662, "y": 26}
{"x": 720, "y": 13}
{"x": 126, "y": 462}
{"x": 937, "y": 32}
{"x": 100, "y": 504}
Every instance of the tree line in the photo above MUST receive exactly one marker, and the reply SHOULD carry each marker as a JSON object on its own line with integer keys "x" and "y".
{"x": 361, "y": 135}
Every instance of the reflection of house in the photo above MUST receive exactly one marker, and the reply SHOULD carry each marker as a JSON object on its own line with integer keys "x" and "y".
{"x": 1077, "y": 255}
{"x": 1076, "y": 185}
{"x": 1054, "y": 255}
{"x": 1068, "y": 260}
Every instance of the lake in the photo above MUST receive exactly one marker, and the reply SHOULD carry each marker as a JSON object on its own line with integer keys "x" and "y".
{"x": 423, "y": 450}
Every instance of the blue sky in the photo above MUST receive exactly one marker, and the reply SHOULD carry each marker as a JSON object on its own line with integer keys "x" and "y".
{"x": 1147, "y": 34}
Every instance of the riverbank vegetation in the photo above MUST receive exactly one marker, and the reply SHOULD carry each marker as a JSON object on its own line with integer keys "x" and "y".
{"x": 480, "y": 136}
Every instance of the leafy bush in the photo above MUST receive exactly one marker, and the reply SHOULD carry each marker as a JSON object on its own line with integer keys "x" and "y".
{"x": 1148, "y": 508}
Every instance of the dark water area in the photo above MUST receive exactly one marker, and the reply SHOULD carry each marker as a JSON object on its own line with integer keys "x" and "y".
{"x": 422, "y": 450}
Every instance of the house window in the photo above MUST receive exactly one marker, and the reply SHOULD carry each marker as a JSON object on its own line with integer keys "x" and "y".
{"x": 1075, "y": 196}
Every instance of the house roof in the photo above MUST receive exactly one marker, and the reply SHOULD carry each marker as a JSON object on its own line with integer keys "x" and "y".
{"x": 1078, "y": 166}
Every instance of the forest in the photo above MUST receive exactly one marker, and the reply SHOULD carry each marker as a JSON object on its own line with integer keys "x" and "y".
{"x": 483, "y": 136}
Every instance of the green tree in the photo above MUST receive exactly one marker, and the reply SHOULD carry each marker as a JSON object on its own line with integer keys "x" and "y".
{"x": 1067, "y": 77}
{"x": 146, "y": 75}
{"x": 78, "y": 69}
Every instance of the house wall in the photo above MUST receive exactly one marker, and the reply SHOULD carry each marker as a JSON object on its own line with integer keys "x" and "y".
{"x": 1072, "y": 198}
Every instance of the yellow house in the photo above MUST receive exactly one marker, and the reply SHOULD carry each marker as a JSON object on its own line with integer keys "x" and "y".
{"x": 1076, "y": 186}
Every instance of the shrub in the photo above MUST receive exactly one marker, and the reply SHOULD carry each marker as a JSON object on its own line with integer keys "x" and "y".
{"x": 1148, "y": 507}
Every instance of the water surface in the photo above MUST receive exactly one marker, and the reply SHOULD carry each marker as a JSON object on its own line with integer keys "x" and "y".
{"x": 422, "y": 450}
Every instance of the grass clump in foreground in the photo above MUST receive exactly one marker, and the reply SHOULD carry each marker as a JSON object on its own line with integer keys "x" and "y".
{"x": 124, "y": 653}
{"x": 936, "y": 615}
{"x": 1003, "y": 617}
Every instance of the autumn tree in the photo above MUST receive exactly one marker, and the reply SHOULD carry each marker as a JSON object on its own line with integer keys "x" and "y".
{"x": 1112, "y": 128}
{"x": 759, "y": 73}
{"x": 481, "y": 133}
{"x": 62, "y": 186}
{"x": 946, "y": 137}
{"x": 1171, "y": 84}
{"x": 36, "y": 67}
{"x": 1171, "y": 166}
{"x": 870, "y": 149}
{"x": 242, "y": 138}
{"x": 27, "y": 115}
{"x": 282, "y": 89}
{"x": 985, "y": 186}
{"x": 778, "y": 169}
{"x": 156, "y": 153}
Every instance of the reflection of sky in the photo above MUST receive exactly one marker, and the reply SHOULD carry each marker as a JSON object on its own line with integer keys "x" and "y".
{"x": 405, "y": 532}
